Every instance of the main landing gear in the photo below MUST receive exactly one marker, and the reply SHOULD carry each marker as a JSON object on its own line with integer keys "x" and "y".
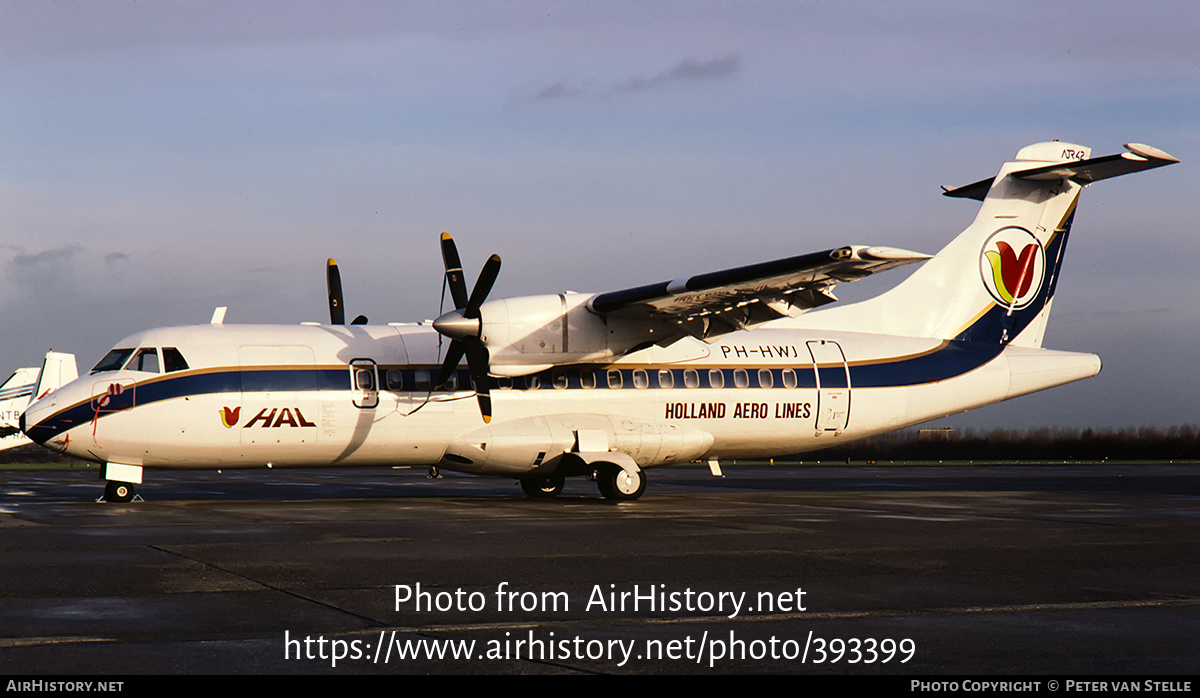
{"x": 617, "y": 484}
{"x": 614, "y": 483}
{"x": 542, "y": 486}
{"x": 119, "y": 492}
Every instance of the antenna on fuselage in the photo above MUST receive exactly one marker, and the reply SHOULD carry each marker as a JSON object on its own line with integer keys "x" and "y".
{"x": 218, "y": 317}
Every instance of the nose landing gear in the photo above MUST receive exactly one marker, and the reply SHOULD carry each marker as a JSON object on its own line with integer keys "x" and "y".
{"x": 119, "y": 492}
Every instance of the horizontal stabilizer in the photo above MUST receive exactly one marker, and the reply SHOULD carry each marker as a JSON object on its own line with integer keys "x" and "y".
{"x": 1083, "y": 172}
{"x": 1140, "y": 157}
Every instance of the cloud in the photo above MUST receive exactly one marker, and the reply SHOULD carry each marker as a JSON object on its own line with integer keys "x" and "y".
{"x": 34, "y": 267}
{"x": 112, "y": 259}
{"x": 559, "y": 90}
{"x": 27, "y": 278}
{"x": 688, "y": 71}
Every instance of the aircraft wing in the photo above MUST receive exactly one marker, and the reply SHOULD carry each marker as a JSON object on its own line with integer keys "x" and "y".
{"x": 724, "y": 301}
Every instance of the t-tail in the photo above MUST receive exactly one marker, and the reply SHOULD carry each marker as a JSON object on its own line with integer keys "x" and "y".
{"x": 995, "y": 282}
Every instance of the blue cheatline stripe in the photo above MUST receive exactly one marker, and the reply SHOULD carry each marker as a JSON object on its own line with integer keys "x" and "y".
{"x": 181, "y": 384}
{"x": 950, "y": 360}
{"x": 947, "y": 361}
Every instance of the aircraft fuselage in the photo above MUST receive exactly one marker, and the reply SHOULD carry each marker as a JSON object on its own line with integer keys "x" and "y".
{"x": 362, "y": 395}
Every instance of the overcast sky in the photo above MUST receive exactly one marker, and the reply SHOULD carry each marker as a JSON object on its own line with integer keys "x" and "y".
{"x": 160, "y": 159}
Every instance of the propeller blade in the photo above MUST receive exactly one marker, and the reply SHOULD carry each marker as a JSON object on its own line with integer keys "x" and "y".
{"x": 333, "y": 282}
{"x": 464, "y": 326}
{"x": 483, "y": 286}
{"x": 454, "y": 272}
{"x": 454, "y": 354}
{"x": 477, "y": 360}
{"x": 485, "y": 405}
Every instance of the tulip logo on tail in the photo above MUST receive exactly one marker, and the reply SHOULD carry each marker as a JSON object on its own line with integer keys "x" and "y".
{"x": 1013, "y": 265}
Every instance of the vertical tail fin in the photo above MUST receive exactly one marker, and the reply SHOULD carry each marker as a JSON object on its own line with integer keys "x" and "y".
{"x": 27, "y": 385}
{"x": 995, "y": 282}
{"x": 58, "y": 369}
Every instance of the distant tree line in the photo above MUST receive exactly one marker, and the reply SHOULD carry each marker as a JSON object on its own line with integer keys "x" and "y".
{"x": 1047, "y": 443}
{"x": 33, "y": 454}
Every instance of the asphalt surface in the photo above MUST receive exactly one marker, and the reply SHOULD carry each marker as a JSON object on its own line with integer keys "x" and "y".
{"x": 1018, "y": 570}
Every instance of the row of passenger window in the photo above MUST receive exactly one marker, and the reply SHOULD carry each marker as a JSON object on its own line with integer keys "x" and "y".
{"x": 421, "y": 380}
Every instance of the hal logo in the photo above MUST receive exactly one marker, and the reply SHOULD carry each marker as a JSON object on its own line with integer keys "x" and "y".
{"x": 276, "y": 417}
{"x": 288, "y": 416}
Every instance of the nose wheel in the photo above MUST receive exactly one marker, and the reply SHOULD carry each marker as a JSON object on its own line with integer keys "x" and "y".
{"x": 119, "y": 492}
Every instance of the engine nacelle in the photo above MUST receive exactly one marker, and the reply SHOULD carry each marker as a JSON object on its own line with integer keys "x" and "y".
{"x": 532, "y": 333}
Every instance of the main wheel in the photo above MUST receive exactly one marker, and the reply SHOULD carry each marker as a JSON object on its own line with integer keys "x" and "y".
{"x": 616, "y": 484}
{"x": 119, "y": 492}
{"x": 542, "y": 485}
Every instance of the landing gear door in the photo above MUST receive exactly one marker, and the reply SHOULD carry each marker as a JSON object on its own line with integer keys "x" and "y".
{"x": 833, "y": 386}
{"x": 364, "y": 383}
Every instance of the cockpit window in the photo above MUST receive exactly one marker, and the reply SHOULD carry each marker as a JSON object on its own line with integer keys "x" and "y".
{"x": 145, "y": 360}
{"x": 113, "y": 360}
{"x": 173, "y": 360}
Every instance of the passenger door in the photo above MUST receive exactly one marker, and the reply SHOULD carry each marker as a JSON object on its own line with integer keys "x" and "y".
{"x": 833, "y": 385}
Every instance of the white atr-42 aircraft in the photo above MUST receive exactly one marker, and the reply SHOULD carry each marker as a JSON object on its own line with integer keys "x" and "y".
{"x": 731, "y": 364}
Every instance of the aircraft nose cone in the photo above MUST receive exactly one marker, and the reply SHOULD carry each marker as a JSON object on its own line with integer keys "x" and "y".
{"x": 455, "y": 326}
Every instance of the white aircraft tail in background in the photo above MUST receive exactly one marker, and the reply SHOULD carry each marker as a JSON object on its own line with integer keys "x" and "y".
{"x": 26, "y": 385}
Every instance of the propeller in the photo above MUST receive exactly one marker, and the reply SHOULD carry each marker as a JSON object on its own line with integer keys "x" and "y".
{"x": 464, "y": 326}
{"x": 333, "y": 282}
